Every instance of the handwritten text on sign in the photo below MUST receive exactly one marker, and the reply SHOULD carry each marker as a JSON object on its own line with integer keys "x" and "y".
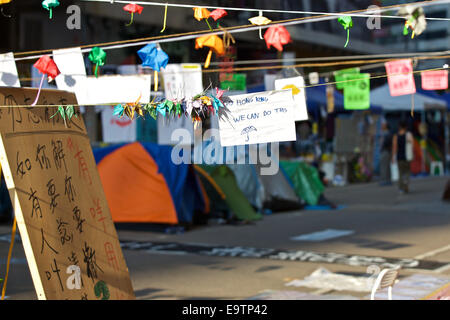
{"x": 435, "y": 80}
{"x": 61, "y": 210}
{"x": 297, "y": 84}
{"x": 400, "y": 77}
{"x": 258, "y": 118}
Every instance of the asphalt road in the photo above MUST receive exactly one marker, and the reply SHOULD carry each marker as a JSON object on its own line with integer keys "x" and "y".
{"x": 239, "y": 262}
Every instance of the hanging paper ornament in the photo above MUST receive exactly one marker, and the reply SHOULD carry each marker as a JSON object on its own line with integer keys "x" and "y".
{"x": 218, "y": 14}
{"x": 66, "y": 113}
{"x": 260, "y": 21}
{"x": 154, "y": 57}
{"x": 277, "y": 36}
{"x": 49, "y": 5}
{"x": 132, "y": 8}
{"x": 97, "y": 57}
{"x": 347, "y": 23}
{"x": 48, "y": 67}
{"x": 414, "y": 20}
{"x": 214, "y": 43}
{"x": 202, "y": 13}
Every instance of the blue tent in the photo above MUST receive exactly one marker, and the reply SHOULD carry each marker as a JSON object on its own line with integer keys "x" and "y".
{"x": 433, "y": 94}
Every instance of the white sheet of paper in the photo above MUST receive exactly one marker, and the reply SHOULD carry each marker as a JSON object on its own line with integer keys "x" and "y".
{"x": 115, "y": 89}
{"x": 297, "y": 84}
{"x": 182, "y": 80}
{"x": 117, "y": 129}
{"x": 260, "y": 117}
{"x": 8, "y": 71}
{"x": 73, "y": 72}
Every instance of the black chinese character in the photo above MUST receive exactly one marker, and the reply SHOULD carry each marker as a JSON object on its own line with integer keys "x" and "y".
{"x": 42, "y": 158}
{"x": 35, "y": 202}
{"x": 53, "y": 195}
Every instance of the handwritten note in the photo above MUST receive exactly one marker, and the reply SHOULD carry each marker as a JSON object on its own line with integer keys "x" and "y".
{"x": 357, "y": 91}
{"x": 73, "y": 71}
{"x": 435, "y": 80}
{"x": 400, "y": 77}
{"x": 8, "y": 71}
{"x": 297, "y": 84}
{"x": 258, "y": 118}
{"x": 67, "y": 232}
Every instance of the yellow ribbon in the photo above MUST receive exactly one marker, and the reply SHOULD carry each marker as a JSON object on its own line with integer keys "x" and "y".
{"x": 13, "y": 237}
{"x": 156, "y": 81}
{"x": 165, "y": 19}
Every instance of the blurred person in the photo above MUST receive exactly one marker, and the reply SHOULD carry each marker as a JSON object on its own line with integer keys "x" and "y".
{"x": 385, "y": 157}
{"x": 402, "y": 143}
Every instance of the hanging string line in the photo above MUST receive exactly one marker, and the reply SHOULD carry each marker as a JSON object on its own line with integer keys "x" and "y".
{"x": 281, "y": 67}
{"x": 194, "y": 34}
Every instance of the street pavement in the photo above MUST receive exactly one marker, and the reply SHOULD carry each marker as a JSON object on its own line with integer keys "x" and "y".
{"x": 242, "y": 261}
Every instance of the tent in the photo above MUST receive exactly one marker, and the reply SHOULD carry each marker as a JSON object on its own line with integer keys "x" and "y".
{"x": 142, "y": 184}
{"x": 382, "y": 96}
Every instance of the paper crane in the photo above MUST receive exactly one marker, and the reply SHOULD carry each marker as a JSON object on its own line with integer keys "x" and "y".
{"x": 49, "y": 5}
{"x": 260, "y": 21}
{"x": 214, "y": 43}
{"x": 133, "y": 8}
{"x": 202, "y": 13}
{"x": 218, "y": 14}
{"x": 98, "y": 57}
{"x": 48, "y": 67}
{"x": 347, "y": 23}
{"x": 415, "y": 20}
{"x": 277, "y": 36}
{"x": 154, "y": 57}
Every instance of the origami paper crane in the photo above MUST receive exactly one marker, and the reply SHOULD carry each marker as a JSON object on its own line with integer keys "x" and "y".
{"x": 98, "y": 57}
{"x": 260, "y": 21}
{"x": 155, "y": 58}
{"x": 48, "y": 67}
{"x": 218, "y": 14}
{"x": 415, "y": 20}
{"x": 68, "y": 113}
{"x": 49, "y": 5}
{"x": 133, "y": 8}
{"x": 347, "y": 23}
{"x": 202, "y": 13}
{"x": 214, "y": 43}
{"x": 277, "y": 36}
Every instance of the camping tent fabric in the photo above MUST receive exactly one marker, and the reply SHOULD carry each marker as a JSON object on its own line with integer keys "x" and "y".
{"x": 305, "y": 179}
{"x": 142, "y": 184}
{"x": 248, "y": 182}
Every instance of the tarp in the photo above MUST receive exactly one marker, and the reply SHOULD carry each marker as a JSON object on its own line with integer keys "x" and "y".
{"x": 381, "y": 96}
{"x": 142, "y": 184}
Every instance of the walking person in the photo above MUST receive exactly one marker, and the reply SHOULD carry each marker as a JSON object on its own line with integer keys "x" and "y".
{"x": 402, "y": 152}
{"x": 385, "y": 156}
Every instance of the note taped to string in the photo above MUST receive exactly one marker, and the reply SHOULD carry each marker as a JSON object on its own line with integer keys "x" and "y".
{"x": 73, "y": 71}
{"x": 8, "y": 71}
{"x": 435, "y": 80}
{"x": 339, "y": 76}
{"x": 297, "y": 84}
{"x": 357, "y": 91}
{"x": 258, "y": 118}
{"x": 400, "y": 77}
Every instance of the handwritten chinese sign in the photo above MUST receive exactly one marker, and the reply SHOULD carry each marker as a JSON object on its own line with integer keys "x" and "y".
{"x": 400, "y": 77}
{"x": 64, "y": 221}
{"x": 435, "y": 80}
{"x": 258, "y": 118}
{"x": 357, "y": 91}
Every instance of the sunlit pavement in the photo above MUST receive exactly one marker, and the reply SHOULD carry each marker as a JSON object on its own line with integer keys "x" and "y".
{"x": 384, "y": 223}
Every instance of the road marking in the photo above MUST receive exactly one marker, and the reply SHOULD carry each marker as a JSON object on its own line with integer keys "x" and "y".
{"x": 432, "y": 253}
{"x": 323, "y": 235}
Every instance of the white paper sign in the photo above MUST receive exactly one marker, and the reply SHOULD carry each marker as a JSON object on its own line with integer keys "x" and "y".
{"x": 8, "y": 71}
{"x": 297, "y": 85}
{"x": 117, "y": 129}
{"x": 115, "y": 89}
{"x": 258, "y": 118}
{"x": 73, "y": 72}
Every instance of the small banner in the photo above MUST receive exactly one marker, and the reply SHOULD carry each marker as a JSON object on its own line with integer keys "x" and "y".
{"x": 357, "y": 91}
{"x": 400, "y": 77}
{"x": 435, "y": 80}
{"x": 339, "y": 76}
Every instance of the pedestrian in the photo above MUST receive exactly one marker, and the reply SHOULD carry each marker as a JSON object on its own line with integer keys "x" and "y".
{"x": 385, "y": 156}
{"x": 402, "y": 143}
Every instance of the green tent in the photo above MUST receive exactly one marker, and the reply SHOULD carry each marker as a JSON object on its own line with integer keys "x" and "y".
{"x": 305, "y": 180}
{"x": 235, "y": 199}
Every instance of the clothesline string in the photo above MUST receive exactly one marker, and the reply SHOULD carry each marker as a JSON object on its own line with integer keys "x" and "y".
{"x": 303, "y": 87}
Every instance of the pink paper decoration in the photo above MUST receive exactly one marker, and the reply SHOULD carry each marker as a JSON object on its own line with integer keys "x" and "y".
{"x": 400, "y": 77}
{"x": 435, "y": 80}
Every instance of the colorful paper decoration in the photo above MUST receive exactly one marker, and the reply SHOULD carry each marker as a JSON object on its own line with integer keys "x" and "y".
{"x": 357, "y": 91}
{"x": 49, "y": 5}
{"x": 214, "y": 43}
{"x": 98, "y": 57}
{"x": 277, "y": 36}
{"x": 5, "y": 1}
{"x": 347, "y": 23}
{"x": 48, "y": 67}
{"x": 260, "y": 21}
{"x": 133, "y": 8}
{"x": 414, "y": 20}
{"x": 154, "y": 57}
{"x": 400, "y": 77}
{"x": 218, "y": 14}
{"x": 435, "y": 80}
{"x": 66, "y": 113}
{"x": 339, "y": 76}
{"x": 202, "y": 13}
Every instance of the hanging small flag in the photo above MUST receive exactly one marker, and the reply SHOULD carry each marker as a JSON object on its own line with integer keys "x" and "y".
{"x": 154, "y": 57}
{"x": 133, "y": 8}
{"x": 277, "y": 36}
{"x": 48, "y": 67}
{"x": 49, "y": 5}
{"x": 400, "y": 77}
{"x": 357, "y": 91}
{"x": 435, "y": 80}
{"x": 98, "y": 57}
{"x": 347, "y": 23}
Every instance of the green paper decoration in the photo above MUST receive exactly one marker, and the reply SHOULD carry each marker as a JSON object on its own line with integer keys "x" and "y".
{"x": 49, "y": 5}
{"x": 347, "y": 23}
{"x": 66, "y": 113}
{"x": 98, "y": 57}
{"x": 235, "y": 81}
{"x": 339, "y": 76}
{"x": 357, "y": 91}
